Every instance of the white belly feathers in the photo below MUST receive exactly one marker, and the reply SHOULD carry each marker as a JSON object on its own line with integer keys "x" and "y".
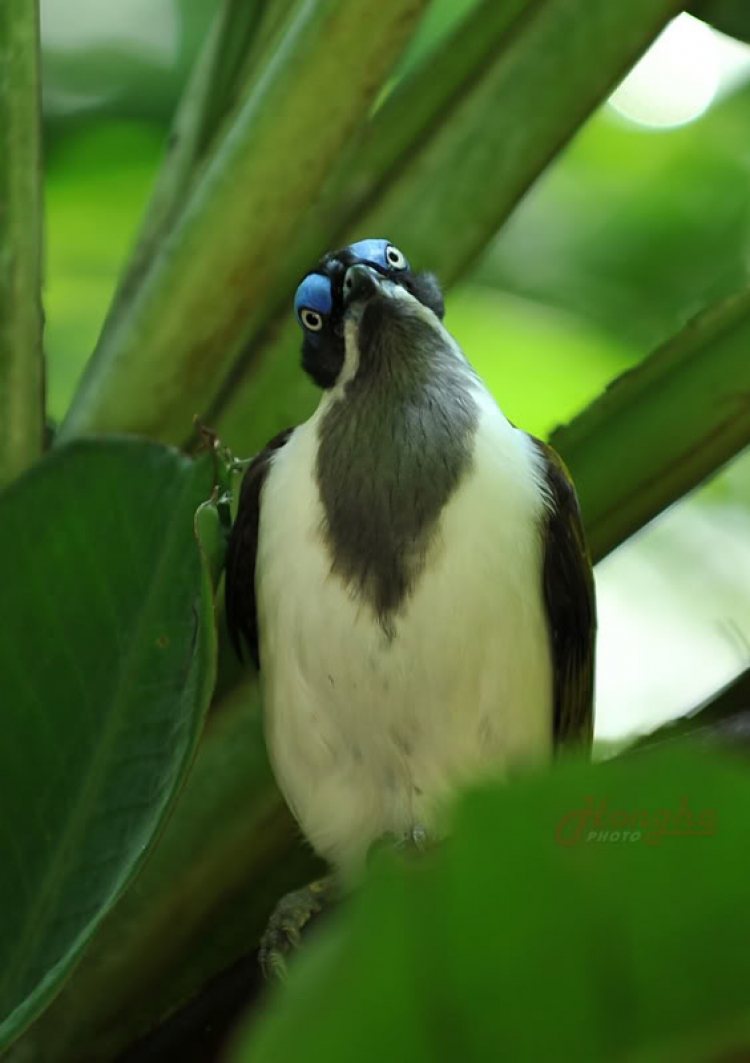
{"x": 368, "y": 735}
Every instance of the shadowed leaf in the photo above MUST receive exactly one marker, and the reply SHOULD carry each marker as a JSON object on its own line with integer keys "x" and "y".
{"x": 107, "y": 664}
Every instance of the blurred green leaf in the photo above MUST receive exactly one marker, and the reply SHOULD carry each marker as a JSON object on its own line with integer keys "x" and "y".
{"x": 635, "y": 229}
{"x": 21, "y": 357}
{"x": 170, "y": 353}
{"x": 542, "y": 365}
{"x": 97, "y": 180}
{"x": 463, "y": 955}
{"x": 662, "y": 427}
{"x": 108, "y": 665}
{"x": 729, "y": 16}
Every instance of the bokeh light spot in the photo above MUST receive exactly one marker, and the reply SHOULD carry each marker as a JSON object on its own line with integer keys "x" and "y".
{"x": 676, "y": 80}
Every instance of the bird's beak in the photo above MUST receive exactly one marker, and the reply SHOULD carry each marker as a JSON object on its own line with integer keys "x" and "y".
{"x": 361, "y": 283}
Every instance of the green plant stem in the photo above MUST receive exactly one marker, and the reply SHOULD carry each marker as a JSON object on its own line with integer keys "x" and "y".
{"x": 21, "y": 355}
{"x": 164, "y": 359}
{"x": 448, "y": 156}
{"x": 210, "y": 93}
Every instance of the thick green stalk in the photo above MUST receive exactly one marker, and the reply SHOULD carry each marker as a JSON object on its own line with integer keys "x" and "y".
{"x": 450, "y": 153}
{"x": 210, "y": 94}
{"x": 163, "y": 360}
{"x": 661, "y": 428}
{"x": 21, "y": 356}
{"x": 558, "y": 61}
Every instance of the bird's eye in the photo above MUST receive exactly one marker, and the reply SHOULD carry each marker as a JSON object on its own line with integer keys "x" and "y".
{"x": 311, "y": 319}
{"x": 394, "y": 258}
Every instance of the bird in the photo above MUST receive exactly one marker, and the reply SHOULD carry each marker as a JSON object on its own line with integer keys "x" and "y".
{"x": 409, "y": 572}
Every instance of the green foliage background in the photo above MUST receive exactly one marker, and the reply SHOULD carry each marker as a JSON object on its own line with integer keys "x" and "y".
{"x": 631, "y": 242}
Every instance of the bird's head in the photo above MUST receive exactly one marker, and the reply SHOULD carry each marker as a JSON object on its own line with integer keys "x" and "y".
{"x": 361, "y": 302}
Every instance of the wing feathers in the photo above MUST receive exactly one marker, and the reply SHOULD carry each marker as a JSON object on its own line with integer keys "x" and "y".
{"x": 571, "y": 607}
{"x": 239, "y": 586}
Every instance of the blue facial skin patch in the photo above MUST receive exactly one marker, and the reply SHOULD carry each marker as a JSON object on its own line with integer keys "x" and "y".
{"x": 371, "y": 251}
{"x": 314, "y": 293}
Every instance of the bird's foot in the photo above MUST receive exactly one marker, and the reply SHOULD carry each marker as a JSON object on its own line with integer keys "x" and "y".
{"x": 416, "y": 841}
{"x": 290, "y": 917}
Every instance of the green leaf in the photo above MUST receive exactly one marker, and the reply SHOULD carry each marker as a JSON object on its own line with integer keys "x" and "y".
{"x": 539, "y": 931}
{"x": 661, "y": 428}
{"x": 212, "y": 533}
{"x": 729, "y": 16}
{"x": 216, "y": 272}
{"x": 21, "y": 358}
{"x": 107, "y": 659}
{"x": 228, "y": 852}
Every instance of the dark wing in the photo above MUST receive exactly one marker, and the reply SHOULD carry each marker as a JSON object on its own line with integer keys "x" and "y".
{"x": 571, "y": 607}
{"x": 239, "y": 582}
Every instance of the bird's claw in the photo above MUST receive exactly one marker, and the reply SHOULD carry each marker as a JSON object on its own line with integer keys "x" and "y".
{"x": 290, "y": 917}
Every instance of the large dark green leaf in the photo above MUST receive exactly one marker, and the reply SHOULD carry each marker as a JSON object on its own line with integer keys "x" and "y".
{"x": 229, "y": 851}
{"x": 107, "y": 662}
{"x": 570, "y": 918}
